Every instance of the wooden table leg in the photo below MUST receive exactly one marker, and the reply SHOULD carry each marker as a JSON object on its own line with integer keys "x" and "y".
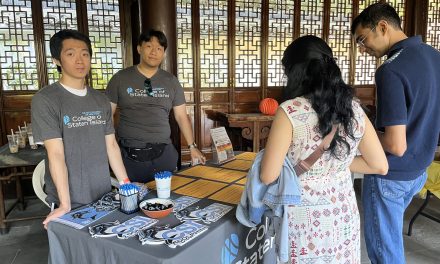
{"x": 256, "y": 137}
{"x": 19, "y": 190}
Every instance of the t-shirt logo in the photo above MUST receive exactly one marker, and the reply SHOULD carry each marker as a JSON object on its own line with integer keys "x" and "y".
{"x": 91, "y": 118}
{"x": 160, "y": 92}
{"x": 137, "y": 92}
{"x": 66, "y": 119}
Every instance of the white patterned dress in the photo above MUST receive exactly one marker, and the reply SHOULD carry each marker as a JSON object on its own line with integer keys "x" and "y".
{"x": 325, "y": 227}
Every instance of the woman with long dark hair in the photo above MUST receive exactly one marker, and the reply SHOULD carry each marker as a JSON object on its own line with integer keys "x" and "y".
{"x": 325, "y": 226}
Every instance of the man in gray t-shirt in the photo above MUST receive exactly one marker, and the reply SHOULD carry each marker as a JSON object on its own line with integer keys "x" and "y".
{"x": 145, "y": 95}
{"x": 74, "y": 123}
{"x": 143, "y": 117}
{"x": 81, "y": 123}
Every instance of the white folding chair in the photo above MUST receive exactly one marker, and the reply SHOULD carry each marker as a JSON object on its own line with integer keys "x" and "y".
{"x": 38, "y": 182}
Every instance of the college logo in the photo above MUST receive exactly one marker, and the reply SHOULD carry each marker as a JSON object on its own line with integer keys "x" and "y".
{"x": 132, "y": 92}
{"x": 90, "y": 118}
{"x": 254, "y": 245}
{"x": 160, "y": 92}
{"x": 66, "y": 119}
{"x": 230, "y": 249}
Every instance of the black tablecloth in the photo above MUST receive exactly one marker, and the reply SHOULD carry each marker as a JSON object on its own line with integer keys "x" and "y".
{"x": 69, "y": 245}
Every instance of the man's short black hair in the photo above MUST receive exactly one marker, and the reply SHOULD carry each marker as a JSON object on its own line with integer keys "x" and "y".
{"x": 56, "y": 42}
{"x": 146, "y": 37}
{"x": 371, "y": 16}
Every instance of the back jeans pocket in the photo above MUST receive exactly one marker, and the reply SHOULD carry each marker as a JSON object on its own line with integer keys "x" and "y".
{"x": 392, "y": 189}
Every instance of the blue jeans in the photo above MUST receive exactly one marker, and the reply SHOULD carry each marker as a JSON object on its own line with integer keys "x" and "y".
{"x": 384, "y": 203}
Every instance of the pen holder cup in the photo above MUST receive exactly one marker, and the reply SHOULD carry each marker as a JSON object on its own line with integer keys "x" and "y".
{"x": 129, "y": 203}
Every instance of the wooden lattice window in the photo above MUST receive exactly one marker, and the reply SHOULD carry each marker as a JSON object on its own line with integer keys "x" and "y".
{"x": 105, "y": 33}
{"x": 185, "y": 45}
{"x": 281, "y": 15}
{"x": 214, "y": 43}
{"x": 433, "y": 29}
{"x": 241, "y": 45}
{"x": 57, "y": 15}
{"x": 19, "y": 66}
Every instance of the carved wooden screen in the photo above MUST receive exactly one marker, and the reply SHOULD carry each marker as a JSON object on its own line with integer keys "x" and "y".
{"x": 105, "y": 33}
{"x": 185, "y": 45}
{"x": 433, "y": 29}
{"x": 18, "y": 65}
{"x": 213, "y": 43}
{"x": 229, "y": 51}
{"x": 250, "y": 37}
{"x": 57, "y": 15}
{"x": 311, "y": 17}
{"x": 20, "y": 23}
{"x": 339, "y": 37}
{"x": 247, "y": 61}
{"x": 280, "y": 34}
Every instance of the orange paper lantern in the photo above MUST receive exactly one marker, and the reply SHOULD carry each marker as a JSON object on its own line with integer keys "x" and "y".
{"x": 268, "y": 106}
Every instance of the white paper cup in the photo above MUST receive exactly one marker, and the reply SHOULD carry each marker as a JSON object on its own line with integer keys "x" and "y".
{"x": 163, "y": 184}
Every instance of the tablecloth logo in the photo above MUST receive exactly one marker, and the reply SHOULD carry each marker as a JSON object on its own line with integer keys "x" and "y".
{"x": 257, "y": 244}
{"x": 230, "y": 249}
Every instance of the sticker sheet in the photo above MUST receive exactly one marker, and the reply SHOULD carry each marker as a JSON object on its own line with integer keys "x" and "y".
{"x": 207, "y": 215}
{"x": 101, "y": 230}
{"x": 130, "y": 227}
{"x": 183, "y": 202}
{"x": 127, "y": 229}
{"x": 90, "y": 213}
{"x": 172, "y": 237}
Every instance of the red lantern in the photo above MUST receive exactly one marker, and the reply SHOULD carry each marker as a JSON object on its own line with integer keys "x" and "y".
{"x": 268, "y": 106}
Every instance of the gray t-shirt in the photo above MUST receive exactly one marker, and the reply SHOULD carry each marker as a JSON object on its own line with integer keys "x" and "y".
{"x": 82, "y": 122}
{"x": 144, "y": 118}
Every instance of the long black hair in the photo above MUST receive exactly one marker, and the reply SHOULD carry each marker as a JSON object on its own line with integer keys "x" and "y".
{"x": 312, "y": 73}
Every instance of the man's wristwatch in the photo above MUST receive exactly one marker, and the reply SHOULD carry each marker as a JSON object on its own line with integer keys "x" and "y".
{"x": 193, "y": 145}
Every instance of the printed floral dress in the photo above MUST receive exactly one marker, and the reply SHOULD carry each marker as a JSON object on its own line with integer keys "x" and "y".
{"x": 325, "y": 227}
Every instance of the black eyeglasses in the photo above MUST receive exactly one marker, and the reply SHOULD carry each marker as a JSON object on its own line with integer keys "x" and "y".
{"x": 148, "y": 87}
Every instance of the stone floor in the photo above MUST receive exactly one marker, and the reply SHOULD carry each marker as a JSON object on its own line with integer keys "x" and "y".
{"x": 26, "y": 242}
